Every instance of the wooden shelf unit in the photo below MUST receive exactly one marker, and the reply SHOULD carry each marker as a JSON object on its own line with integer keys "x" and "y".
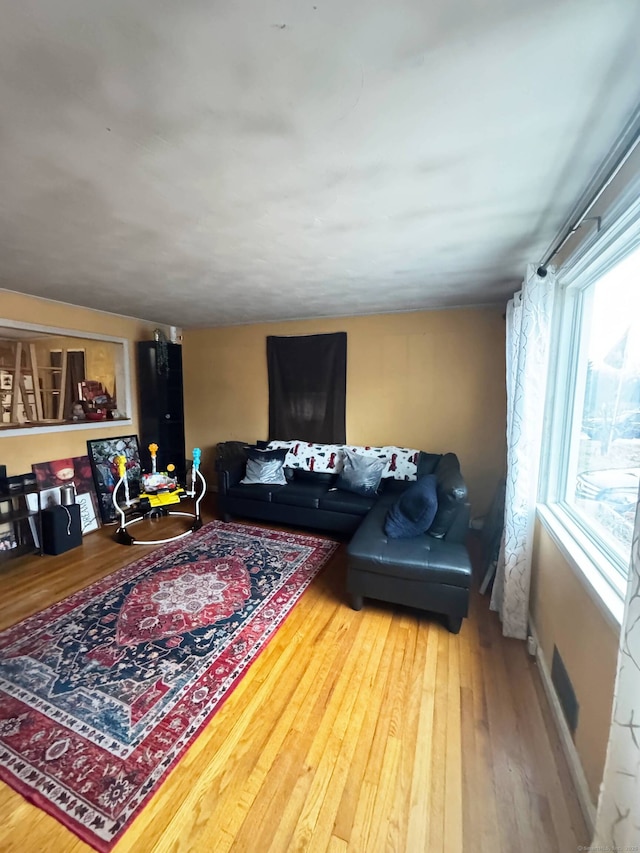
{"x": 25, "y": 523}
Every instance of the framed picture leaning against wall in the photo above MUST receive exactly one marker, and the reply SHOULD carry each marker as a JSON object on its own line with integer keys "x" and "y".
{"x": 102, "y": 453}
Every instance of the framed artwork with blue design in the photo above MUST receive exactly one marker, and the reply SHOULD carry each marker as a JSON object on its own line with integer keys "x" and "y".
{"x": 102, "y": 453}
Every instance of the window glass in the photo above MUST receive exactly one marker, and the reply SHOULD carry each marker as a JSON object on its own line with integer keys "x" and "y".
{"x": 604, "y": 453}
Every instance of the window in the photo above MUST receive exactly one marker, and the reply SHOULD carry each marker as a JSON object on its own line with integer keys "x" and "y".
{"x": 46, "y": 375}
{"x": 593, "y": 470}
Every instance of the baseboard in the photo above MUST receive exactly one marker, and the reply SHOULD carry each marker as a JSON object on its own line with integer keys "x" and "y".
{"x": 568, "y": 746}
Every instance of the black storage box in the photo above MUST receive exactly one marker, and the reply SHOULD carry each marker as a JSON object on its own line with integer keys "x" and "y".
{"x": 61, "y": 529}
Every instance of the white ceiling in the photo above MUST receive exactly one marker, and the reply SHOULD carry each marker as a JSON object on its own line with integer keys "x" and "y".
{"x": 205, "y": 162}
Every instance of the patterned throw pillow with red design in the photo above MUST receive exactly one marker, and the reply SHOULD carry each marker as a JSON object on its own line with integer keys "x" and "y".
{"x": 402, "y": 462}
{"x": 323, "y": 458}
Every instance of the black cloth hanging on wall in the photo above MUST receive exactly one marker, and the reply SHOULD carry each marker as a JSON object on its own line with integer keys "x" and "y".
{"x": 308, "y": 387}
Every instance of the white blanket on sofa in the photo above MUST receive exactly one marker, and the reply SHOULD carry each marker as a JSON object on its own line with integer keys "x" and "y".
{"x": 402, "y": 462}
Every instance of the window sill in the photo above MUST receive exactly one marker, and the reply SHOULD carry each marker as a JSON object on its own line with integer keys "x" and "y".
{"x": 603, "y": 584}
{"x": 40, "y": 429}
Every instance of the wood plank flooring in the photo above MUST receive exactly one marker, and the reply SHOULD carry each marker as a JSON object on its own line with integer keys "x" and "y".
{"x": 366, "y": 731}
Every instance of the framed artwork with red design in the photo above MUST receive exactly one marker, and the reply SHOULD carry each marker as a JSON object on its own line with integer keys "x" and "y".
{"x": 50, "y": 476}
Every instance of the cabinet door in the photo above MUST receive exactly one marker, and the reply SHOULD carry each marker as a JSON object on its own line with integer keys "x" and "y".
{"x": 171, "y": 443}
{"x": 161, "y": 405}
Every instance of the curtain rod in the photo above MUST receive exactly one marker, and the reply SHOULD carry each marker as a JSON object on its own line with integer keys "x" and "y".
{"x": 627, "y": 151}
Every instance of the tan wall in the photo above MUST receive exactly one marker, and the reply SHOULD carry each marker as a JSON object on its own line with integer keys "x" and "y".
{"x": 565, "y": 615}
{"x": 19, "y": 452}
{"x": 100, "y": 365}
{"x": 433, "y": 380}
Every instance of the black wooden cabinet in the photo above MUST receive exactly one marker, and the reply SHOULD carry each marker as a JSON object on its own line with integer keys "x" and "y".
{"x": 161, "y": 405}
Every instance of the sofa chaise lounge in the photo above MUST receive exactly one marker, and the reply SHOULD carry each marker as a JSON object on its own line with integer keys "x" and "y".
{"x": 430, "y": 571}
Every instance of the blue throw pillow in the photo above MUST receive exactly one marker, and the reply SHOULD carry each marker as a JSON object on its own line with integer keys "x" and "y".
{"x": 361, "y": 474}
{"x": 414, "y": 511}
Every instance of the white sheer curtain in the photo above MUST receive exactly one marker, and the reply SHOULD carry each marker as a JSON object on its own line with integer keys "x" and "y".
{"x": 618, "y": 821}
{"x": 527, "y": 351}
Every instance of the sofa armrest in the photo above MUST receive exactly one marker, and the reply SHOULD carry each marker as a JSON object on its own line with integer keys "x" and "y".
{"x": 231, "y": 464}
{"x": 459, "y": 528}
{"x": 453, "y": 509}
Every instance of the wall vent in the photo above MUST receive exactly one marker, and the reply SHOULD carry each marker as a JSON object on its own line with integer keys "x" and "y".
{"x": 564, "y": 691}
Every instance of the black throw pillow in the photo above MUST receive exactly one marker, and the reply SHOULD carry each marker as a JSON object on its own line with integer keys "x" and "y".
{"x": 261, "y": 455}
{"x": 414, "y": 511}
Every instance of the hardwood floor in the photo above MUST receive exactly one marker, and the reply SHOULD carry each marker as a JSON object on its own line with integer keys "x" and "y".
{"x": 365, "y": 731}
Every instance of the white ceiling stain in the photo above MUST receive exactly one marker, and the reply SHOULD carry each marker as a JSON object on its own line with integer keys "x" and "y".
{"x": 208, "y": 163}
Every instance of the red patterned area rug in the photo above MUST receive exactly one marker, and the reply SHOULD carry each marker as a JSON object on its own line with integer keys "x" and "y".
{"x": 102, "y": 693}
